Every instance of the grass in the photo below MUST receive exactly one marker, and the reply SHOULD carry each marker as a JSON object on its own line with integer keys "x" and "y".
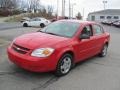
{"x": 3, "y": 42}
{"x": 14, "y": 19}
{"x": 17, "y": 18}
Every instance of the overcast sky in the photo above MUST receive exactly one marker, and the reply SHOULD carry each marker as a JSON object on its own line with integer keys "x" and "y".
{"x": 84, "y": 5}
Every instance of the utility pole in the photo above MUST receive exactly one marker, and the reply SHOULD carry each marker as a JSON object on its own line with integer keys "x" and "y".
{"x": 72, "y": 7}
{"x": 83, "y": 13}
{"x": 63, "y": 8}
{"x": 104, "y": 4}
{"x": 57, "y": 9}
{"x": 69, "y": 9}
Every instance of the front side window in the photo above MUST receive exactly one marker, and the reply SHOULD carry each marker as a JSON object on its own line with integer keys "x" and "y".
{"x": 98, "y": 29}
{"x": 87, "y": 30}
{"x": 65, "y": 29}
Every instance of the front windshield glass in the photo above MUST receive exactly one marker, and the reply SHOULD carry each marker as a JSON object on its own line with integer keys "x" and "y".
{"x": 64, "y": 29}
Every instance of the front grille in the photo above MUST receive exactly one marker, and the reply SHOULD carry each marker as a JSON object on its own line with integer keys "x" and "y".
{"x": 20, "y": 49}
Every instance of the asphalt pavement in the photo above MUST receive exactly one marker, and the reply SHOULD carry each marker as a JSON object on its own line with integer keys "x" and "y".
{"x": 93, "y": 74}
{"x": 10, "y": 25}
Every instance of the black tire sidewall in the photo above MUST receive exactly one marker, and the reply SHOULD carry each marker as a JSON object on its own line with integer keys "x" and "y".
{"x": 101, "y": 53}
{"x": 25, "y": 25}
{"x": 58, "y": 69}
{"x": 42, "y": 25}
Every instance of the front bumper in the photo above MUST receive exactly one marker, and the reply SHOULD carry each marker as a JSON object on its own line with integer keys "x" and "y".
{"x": 30, "y": 63}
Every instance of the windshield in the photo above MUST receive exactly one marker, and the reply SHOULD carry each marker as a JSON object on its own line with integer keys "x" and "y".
{"x": 64, "y": 29}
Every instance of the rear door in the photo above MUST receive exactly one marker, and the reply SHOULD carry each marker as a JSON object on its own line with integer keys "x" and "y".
{"x": 35, "y": 22}
{"x": 38, "y": 22}
{"x": 32, "y": 22}
{"x": 98, "y": 33}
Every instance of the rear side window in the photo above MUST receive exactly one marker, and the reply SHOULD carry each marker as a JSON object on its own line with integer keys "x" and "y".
{"x": 98, "y": 29}
{"x": 39, "y": 19}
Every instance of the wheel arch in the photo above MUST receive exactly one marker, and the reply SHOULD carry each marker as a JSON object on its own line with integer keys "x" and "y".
{"x": 106, "y": 42}
{"x": 71, "y": 52}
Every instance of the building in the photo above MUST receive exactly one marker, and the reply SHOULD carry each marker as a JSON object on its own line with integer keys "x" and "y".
{"x": 104, "y": 15}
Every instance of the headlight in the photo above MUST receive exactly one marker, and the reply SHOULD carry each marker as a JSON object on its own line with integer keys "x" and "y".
{"x": 42, "y": 52}
{"x": 12, "y": 42}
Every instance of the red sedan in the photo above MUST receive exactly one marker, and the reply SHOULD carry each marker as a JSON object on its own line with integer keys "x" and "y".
{"x": 59, "y": 46}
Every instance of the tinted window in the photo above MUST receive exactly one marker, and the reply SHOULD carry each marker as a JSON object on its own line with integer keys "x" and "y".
{"x": 116, "y": 17}
{"x": 102, "y": 17}
{"x": 97, "y": 29}
{"x": 34, "y": 19}
{"x": 38, "y": 19}
{"x": 109, "y": 17}
{"x": 65, "y": 29}
{"x": 87, "y": 30}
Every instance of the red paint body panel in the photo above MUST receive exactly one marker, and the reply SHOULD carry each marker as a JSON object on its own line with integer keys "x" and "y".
{"x": 82, "y": 49}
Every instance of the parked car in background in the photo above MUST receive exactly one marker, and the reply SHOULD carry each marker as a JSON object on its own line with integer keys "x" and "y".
{"x": 42, "y": 22}
{"x": 104, "y": 22}
{"x": 25, "y": 19}
{"x": 109, "y": 22}
{"x": 59, "y": 46}
{"x": 117, "y": 24}
{"x": 59, "y": 18}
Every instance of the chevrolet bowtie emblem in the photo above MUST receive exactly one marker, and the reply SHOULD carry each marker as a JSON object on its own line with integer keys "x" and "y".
{"x": 18, "y": 48}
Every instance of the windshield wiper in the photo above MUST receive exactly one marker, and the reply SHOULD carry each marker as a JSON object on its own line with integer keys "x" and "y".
{"x": 52, "y": 33}
{"x": 49, "y": 33}
{"x": 40, "y": 31}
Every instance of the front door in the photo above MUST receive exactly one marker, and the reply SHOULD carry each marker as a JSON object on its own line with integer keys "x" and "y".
{"x": 86, "y": 47}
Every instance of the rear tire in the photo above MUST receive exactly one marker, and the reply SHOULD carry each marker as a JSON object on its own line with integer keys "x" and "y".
{"x": 42, "y": 25}
{"x": 64, "y": 65}
{"x": 25, "y": 25}
{"x": 103, "y": 52}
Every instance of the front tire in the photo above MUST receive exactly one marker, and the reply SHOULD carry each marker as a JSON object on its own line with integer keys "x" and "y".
{"x": 64, "y": 65}
{"x": 103, "y": 52}
{"x": 25, "y": 25}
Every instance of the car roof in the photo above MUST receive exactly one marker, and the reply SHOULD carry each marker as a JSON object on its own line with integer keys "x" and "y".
{"x": 78, "y": 21}
{"x": 38, "y": 18}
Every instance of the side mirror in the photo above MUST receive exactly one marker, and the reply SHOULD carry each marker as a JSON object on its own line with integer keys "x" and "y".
{"x": 84, "y": 36}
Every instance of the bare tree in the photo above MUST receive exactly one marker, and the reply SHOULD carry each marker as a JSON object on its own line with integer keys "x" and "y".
{"x": 50, "y": 10}
{"x": 33, "y": 5}
{"x": 79, "y": 16}
{"x": 22, "y": 4}
{"x": 8, "y": 4}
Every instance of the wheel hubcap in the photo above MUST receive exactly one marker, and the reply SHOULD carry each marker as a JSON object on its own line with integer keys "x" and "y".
{"x": 66, "y": 65}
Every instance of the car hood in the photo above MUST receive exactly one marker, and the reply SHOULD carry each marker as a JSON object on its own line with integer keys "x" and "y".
{"x": 38, "y": 39}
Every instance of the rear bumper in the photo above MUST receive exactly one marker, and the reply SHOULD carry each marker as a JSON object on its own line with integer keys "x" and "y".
{"x": 32, "y": 63}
